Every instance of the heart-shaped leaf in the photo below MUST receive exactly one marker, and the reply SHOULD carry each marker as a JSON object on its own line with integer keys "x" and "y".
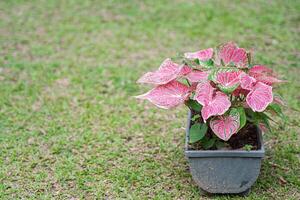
{"x": 226, "y": 125}
{"x": 219, "y": 104}
{"x": 196, "y": 76}
{"x": 167, "y": 72}
{"x": 202, "y": 55}
{"x": 167, "y": 96}
{"x": 214, "y": 72}
{"x": 197, "y": 132}
{"x": 228, "y": 81}
{"x": 260, "y": 97}
{"x": 247, "y": 82}
{"x": 231, "y": 53}
{"x": 204, "y": 93}
{"x": 214, "y": 103}
{"x": 264, "y": 74}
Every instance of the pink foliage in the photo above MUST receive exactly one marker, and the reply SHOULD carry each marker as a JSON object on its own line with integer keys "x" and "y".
{"x": 167, "y": 72}
{"x": 264, "y": 74}
{"x": 260, "y": 97}
{"x": 230, "y": 52}
{"x": 213, "y": 102}
{"x": 225, "y": 126}
{"x": 196, "y": 76}
{"x": 204, "y": 92}
{"x": 247, "y": 82}
{"x": 228, "y": 79}
{"x": 185, "y": 70}
{"x": 223, "y": 91}
{"x": 260, "y": 69}
{"x": 202, "y": 55}
{"x": 167, "y": 96}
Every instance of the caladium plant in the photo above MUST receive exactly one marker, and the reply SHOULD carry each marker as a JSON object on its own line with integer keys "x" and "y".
{"x": 222, "y": 87}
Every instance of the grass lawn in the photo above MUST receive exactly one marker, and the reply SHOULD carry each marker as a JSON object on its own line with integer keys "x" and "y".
{"x": 69, "y": 125}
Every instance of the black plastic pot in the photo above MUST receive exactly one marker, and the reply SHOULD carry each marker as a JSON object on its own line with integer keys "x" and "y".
{"x": 224, "y": 171}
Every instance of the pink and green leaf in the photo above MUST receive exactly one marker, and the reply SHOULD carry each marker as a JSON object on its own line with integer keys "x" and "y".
{"x": 228, "y": 89}
{"x": 202, "y": 55}
{"x": 260, "y": 97}
{"x": 213, "y": 102}
{"x": 214, "y": 72}
{"x": 196, "y": 76}
{"x": 240, "y": 58}
{"x": 167, "y": 96}
{"x": 264, "y": 74}
{"x": 228, "y": 81}
{"x": 247, "y": 82}
{"x": 219, "y": 104}
{"x": 231, "y": 53}
{"x": 227, "y": 125}
{"x": 269, "y": 80}
{"x": 204, "y": 93}
{"x": 225, "y": 52}
{"x": 167, "y": 72}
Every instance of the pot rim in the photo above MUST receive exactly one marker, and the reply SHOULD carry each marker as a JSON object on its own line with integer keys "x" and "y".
{"x": 223, "y": 153}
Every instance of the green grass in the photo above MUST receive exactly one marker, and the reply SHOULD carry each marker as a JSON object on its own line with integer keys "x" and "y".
{"x": 69, "y": 126}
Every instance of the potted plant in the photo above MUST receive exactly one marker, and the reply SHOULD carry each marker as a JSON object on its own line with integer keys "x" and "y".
{"x": 230, "y": 101}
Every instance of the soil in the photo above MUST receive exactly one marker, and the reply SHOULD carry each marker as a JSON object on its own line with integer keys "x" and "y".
{"x": 246, "y": 136}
